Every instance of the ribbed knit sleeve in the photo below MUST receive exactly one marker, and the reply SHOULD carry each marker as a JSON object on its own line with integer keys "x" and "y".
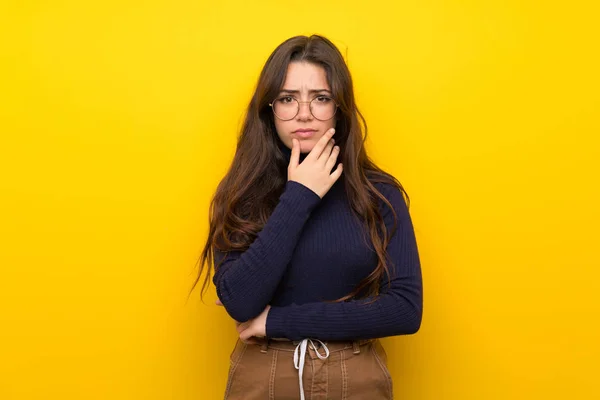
{"x": 246, "y": 281}
{"x": 396, "y": 311}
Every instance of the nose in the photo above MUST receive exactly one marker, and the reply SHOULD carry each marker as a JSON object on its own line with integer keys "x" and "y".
{"x": 304, "y": 111}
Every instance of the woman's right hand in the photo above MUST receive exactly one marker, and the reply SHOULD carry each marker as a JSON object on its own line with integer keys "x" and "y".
{"x": 315, "y": 170}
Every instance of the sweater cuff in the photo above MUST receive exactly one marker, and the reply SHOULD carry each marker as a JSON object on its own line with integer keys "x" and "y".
{"x": 277, "y": 324}
{"x": 300, "y": 196}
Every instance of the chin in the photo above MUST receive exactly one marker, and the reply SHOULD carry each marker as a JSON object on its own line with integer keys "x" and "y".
{"x": 306, "y": 146}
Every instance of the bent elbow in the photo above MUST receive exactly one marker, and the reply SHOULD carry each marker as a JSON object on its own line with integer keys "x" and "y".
{"x": 410, "y": 323}
{"x": 240, "y": 309}
{"x": 414, "y": 324}
{"x": 241, "y": 312}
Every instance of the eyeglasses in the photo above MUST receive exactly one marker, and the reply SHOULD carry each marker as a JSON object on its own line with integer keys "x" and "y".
{"x": 287, "y": 108}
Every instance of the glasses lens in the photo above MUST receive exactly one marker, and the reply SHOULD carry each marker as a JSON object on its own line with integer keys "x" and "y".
{"x": 285, "y": 107}
{"x": 323, "y": 107}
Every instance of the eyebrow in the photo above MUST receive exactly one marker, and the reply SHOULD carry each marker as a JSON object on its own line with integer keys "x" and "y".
{"x": 310, "y": 91}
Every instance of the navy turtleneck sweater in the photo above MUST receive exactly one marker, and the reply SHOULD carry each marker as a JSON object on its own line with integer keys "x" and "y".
{"x": 311, "y": 251}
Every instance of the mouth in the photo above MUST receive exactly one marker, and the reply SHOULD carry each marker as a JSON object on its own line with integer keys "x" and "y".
{"x": 304, "y": 133}
{"x": 305, "y": 130}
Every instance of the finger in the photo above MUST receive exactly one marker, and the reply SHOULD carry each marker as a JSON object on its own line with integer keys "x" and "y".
{"x": 337, "y": 173}
{"x": 246, "y": 334}
{"x": 218, "y": 302}
{"x": 250, "y": 341}
{"x": 327, "y": 151}
{"x": 332, "y": 158}
{"x": 242, "y": 327}
{"x": 295, "y": 158}
{"x": 316, "y": 151}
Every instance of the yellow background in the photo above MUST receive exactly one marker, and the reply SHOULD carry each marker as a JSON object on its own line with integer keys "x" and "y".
{"x": 118, "y": 119}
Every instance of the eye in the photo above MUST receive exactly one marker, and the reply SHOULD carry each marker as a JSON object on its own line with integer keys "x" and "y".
{"x": 286, "y": 99}
{"x": 323, "y": 99}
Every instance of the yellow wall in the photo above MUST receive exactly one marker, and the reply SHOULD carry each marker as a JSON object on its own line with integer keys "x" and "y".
{"x": 117, "y": 120}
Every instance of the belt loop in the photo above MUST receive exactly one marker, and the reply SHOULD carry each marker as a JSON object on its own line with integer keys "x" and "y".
{"x": 355, "y": 347}
{"x": 265, "y": 345}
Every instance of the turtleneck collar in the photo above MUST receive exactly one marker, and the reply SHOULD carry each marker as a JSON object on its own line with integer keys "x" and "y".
{"x": 287, "y": 152}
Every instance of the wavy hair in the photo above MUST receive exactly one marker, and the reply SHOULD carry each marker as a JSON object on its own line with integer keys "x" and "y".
{"x": 250, "y": 190}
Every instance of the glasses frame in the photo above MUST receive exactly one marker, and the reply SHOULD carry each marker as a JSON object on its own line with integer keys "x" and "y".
{"x": 309, "y": 107}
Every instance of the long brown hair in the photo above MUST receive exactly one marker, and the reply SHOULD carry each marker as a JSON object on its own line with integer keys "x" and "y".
{"x": 247, "y": 195}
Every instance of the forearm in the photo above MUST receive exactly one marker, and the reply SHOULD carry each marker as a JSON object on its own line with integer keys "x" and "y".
{"x": 246, "y": 281}
{"x": 396, "y": 312}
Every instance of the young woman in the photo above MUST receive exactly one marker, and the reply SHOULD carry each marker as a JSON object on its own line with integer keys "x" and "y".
{"x": 313, "y": 246}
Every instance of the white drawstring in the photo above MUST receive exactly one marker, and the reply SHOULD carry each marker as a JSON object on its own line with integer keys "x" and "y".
{"x": 299, "y": 355}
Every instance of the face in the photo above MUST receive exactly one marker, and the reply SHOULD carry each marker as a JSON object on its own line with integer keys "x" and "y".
{"x": 304, "y": 82}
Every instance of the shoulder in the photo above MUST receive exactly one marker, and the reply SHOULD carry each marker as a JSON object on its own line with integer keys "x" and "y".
{"x": 388, "y": 185}
{"x": 393, "y": 191}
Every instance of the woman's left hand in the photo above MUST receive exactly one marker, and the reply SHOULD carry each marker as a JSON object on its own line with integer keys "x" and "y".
{"x": 254, "y": 327}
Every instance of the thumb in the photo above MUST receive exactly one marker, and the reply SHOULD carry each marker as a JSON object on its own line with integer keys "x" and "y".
{"x": 295, "y": 157}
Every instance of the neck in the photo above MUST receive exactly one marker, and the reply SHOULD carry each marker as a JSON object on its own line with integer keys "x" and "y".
{"x": 287, "y": 152}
